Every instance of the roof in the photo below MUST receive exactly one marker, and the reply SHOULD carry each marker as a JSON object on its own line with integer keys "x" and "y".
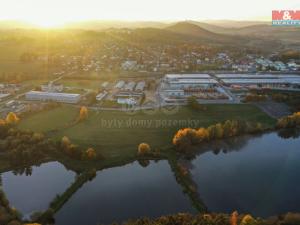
{"x": 140, "y": 85}
{"x": 193, "y": 81}
{"x": 54, "y": 94}
{"x": 261, "y": 81}
{"x": 120, "y": 84}
{"x": 187, "y": 76}
{"x": 259, "y": 76}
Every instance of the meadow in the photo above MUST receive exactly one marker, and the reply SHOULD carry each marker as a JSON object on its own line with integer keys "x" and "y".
{"x": 117, "y": 134}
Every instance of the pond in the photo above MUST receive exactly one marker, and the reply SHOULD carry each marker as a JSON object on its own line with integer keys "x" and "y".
{"x": 126, "y": 192}
{"x": 257, "y": 175}
{"x": 30, "y": 193}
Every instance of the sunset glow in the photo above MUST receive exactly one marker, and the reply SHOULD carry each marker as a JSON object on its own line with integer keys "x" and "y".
{"x": 49, "y": 13}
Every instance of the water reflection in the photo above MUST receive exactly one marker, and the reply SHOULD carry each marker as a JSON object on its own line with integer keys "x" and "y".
{"x": 32, "y": 189}
{"x": 257, "y": 175}
{"x": 123, "y": 193}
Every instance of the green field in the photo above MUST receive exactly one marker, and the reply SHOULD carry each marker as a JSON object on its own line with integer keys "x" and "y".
{"x": 49, "y": 120}
{"x": 116, "y": 134}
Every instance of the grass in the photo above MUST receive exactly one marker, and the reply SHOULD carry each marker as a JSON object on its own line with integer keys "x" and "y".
{"x": 117, "y": 134}
{"x": 89, "y": 84}
{"x": 49, "y": 120}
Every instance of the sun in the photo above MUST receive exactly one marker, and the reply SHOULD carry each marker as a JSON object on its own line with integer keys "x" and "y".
{"x": 47, "y": 23}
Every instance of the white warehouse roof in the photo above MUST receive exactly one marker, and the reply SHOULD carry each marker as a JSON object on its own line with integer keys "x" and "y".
{"x": 261, "y": 81}
{"x": 258, "y": 76}
{"x": 53, "y": 96}
{"x": 193, "y": 81}
{"x": 187, "y": 76}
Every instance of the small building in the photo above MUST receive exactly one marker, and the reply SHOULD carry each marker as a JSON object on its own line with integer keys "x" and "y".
{"x": 140, "y": 86}
{"x": 120, "y": 84}
{"x": 52, "y": 87}
{"x": 126, "y": 101}
{"x": 101, "y": 96}
{"x": 4, "y": 95}
{"x": 129, "y": 86}
{"x": 129, "y": 65}
{"x": 105, "y": 84}
{"x": 52, "y": 96}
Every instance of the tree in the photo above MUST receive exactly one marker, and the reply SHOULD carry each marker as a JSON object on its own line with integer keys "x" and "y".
{"x": 90, "y": 154}
{"x": 83, "y": 113}
{"x": 234, "y": 218}
{"x": 248, "y": 220}
{"x": 12, "y": 118}
{"x": 144, "y": 149}
{"x": 2, "y": 122}
{"x": 65, "y": 142}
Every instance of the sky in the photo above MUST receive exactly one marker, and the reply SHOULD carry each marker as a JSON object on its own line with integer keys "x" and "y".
{"x": 57, "y": 12}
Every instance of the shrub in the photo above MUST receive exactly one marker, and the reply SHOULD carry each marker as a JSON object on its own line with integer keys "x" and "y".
{"x": 144, "y": 149}
{"x": 89, "y": 154}
{"x": 83, "y": 113}
{"x": 12, "y": 118}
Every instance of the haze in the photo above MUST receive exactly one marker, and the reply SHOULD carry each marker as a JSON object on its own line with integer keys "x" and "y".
{"x": 58, "y": 12}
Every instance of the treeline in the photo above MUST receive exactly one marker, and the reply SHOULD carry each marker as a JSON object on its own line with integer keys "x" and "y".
{"x": 185, "y": 138}
{"x": 292, "y": 121}
{"x": 23, "y": 147}
{"x": 218, "y": 219}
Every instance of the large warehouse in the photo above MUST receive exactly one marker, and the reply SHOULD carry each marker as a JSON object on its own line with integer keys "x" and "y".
{"x": 184, "y": 81}
{"x": 176, "y": 77}
{"x": 50, "y": 96}
{"x": 181, "y": 86}
{"x": 261, "y": 81}
{"x": 255, "y": 76}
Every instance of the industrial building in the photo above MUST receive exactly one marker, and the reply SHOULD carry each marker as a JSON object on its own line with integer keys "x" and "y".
{"x": 255, "y": 76}
{"x": 282, "y": 81}
{"x": 180, "y": 86}
{"x": 192, "y": 83}
{"x": 176, "y": 77}
{"x": 51, "y": 96}
{"x": 185, "y": 81}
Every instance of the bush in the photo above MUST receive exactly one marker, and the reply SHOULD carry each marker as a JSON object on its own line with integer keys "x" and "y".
{"x": 144, "y": 149}
{"x": 83, "y": 113}
{"x": 291, "y": 121}
{"x": 89, "y": 154}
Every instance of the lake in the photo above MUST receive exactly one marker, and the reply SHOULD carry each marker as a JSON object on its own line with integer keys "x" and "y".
{"x": 258, "y": 175}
